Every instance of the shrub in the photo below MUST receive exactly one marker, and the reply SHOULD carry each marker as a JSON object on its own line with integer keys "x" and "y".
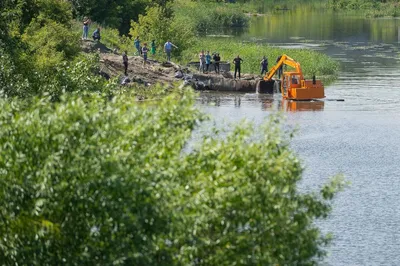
{"x": 85, "y": 182}
{"x": 50, "y": 43}
{"x": 97, "y": 182}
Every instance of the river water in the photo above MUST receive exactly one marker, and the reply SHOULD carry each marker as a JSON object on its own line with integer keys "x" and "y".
{"x": 359, "y": 138}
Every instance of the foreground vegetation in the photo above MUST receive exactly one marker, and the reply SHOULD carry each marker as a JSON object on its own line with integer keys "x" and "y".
{"x": 99, "y": 182}
{"x": 89, "y": 176}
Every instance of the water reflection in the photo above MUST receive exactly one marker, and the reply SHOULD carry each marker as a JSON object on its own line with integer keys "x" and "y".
{"x": 265, "y": 102}
{"x": 307, "y": 23}
{"x": 299, "y": 106}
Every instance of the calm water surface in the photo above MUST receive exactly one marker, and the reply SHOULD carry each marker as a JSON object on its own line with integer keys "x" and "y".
{"x": 359, "y": 137}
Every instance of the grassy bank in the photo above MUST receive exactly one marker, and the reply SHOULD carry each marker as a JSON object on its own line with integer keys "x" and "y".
{"x": 370, "y": 8}
{"x": 208, "y": 16}
{"x": 312, "y": 62}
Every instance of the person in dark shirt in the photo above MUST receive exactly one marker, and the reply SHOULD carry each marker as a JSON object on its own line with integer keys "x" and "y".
{"x": 217, "y": 59}
{"x": 125, "y": 61}
{"x": 264, "y": 65}
{"x": 145, "y": 50}
{"x": 237, "y": 62}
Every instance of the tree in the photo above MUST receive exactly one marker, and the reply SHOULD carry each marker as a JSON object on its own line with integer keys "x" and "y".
{"x": 155, "y": 24}
{"x": 98, "y": 182}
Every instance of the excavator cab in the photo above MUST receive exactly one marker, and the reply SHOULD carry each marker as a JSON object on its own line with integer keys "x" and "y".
{"x": 293, "y": 86}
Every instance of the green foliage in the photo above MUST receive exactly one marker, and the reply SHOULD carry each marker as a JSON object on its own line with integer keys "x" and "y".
{"x": 84, "y": 182}
{"x": 312, "y": 62}
{"x": 79, "y": 76}
{"x": 371, "y": 8}
{"x": 208, "y": 16}
{"x": 240, "y": 203}
{"x": 97, "y": 182}
{"x": 56, "y": 10}
{"x": 50, "y": 43}
{"x": 115, "y": 14}
{"x": 156, "y": 25}
{"x": 11, "y": 79}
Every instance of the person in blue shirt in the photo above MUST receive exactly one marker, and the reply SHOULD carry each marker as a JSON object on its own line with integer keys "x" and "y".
{"x": 208, "y": 60}
{"x": 96, "y": 35}
{"x": 168, "y": 48}
{"x": 137, "y": 45}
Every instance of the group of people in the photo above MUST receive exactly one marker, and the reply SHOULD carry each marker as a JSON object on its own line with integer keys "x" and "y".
{"x": 96, "y": 33}
{"x": 143, "y": 50}
{"x": 205, "y": 61}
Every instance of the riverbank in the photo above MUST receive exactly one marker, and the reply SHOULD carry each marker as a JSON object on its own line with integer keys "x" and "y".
{"x": 367, "y": 8}
{"x": 144, "y": 79}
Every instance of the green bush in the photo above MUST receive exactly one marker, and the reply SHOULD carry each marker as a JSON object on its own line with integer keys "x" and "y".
{"x": 50, "y": 43}
{"x": 85, "y": 182}
{"x": 97, "y": 182}
{"x": 12, "y": 82}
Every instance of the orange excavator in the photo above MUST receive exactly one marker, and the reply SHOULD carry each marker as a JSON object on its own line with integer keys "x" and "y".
{"x": 292, "y": 85}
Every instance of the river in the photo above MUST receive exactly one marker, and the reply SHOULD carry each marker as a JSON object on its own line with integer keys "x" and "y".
{"x": 359, "y": 138}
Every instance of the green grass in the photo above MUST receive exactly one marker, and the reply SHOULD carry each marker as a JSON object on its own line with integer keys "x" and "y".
{"x": 369, "y": 8}
{"x": 312, "y": 62}
{"x": 208, "y": 16}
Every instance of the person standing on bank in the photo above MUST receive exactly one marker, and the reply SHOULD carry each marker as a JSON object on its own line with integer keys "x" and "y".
{"x": 217, "y": 59}
{"x": 264, "y": 65}
{"x": 208, "y": 61}
{"x": 136, "y": 42}
{"x": 168, "y": 48}
{"x": 144, "y": 53}
{"x": 237, "y": 62}
{"x": 202, "y": 61}
{"x": 86, "y": 23}
{"x": 125, "y": 61}
{"x": 153, "y": 47}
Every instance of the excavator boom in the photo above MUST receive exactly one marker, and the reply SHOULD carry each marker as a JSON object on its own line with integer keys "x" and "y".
{"x": 284, "y": 60}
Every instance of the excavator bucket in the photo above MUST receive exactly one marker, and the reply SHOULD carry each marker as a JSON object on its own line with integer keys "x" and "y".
{"x": 266, "y": 86}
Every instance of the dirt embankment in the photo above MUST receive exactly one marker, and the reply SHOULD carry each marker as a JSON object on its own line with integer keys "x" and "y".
{"x": 166, "y": 72}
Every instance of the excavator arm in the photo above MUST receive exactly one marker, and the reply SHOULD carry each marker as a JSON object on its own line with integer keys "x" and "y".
{"x": 285, "y": 60}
